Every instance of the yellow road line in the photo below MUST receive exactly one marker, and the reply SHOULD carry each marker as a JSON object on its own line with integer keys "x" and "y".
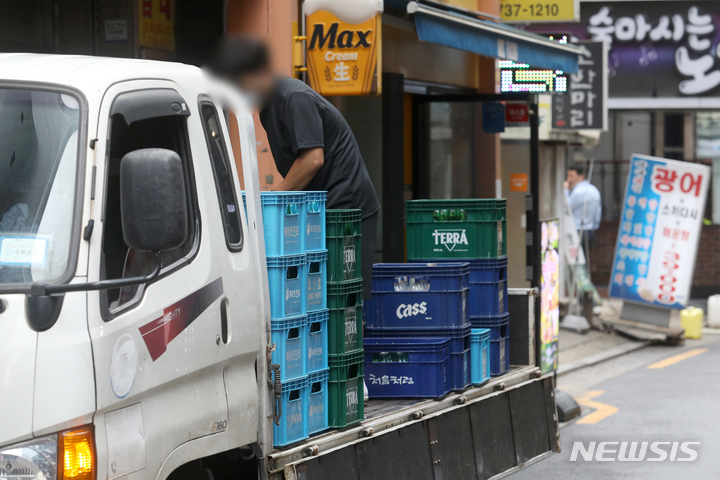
{"x": 677, "y": 358}
{"x": 602, "y": 410}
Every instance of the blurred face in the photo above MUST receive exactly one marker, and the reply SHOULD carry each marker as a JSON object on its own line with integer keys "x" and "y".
{"x": 573, "y": 178}
{"x": 257, "y": 85}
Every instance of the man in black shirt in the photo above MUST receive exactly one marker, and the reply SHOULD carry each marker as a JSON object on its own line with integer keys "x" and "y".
{"x": 312, "y": 144}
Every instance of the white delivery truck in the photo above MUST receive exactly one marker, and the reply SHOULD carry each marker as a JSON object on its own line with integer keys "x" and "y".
{"x": 134, "y": 316}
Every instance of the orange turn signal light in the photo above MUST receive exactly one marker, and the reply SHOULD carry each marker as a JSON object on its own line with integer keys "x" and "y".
{"x": 77, "y": 454}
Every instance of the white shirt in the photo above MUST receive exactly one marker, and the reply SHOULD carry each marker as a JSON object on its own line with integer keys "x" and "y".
{"x": 584, "y": 200}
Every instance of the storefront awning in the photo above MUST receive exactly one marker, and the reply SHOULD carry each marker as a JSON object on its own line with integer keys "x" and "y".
{"x": 491, "y": 39}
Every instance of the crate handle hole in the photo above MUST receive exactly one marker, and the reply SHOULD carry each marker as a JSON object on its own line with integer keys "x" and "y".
{"x": 350, "y": 229}
{"x": 293, "y": 333}
{"x": 314, "y": 268}
{"x": 316, "y": 387}
{"x": 294, "y": 395}
{"x": 316, "y": 327}
{"x": 352, "y": 371}
{"x": 292, "y": 209}
{"x": 292, "y": 273}
{"x": 313, "y": 207}
{"x": 352, "y": 300}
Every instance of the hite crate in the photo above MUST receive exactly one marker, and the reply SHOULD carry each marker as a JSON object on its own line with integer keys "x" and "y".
{"x": 459, "y": 362}
{"x": 315, "y": 221}
{"x": 420, "y": 296}
{"x": 454, "y": 229}
{"x": 345, "y": 326}
{"x": 318, "y": 401}
{"x": 316, "y": 281}
{"x": 344, "y": 240}
{"x": 345, "y": 389}
{"x": 407, "y": 367}
{"x": 283, "y": 222}
{"x": 294, "y": 419}
{"x": 290, "y": 338}
{"x": 479, "y": 356}
{"x": 287, "y": 279}
{"x": 317, "y": 341}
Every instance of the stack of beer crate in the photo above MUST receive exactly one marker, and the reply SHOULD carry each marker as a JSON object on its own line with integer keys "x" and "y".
{"x": 345, "y": 328}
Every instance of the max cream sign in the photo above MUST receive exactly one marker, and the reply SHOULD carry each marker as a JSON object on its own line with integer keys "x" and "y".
{"x": 344, "y": 46}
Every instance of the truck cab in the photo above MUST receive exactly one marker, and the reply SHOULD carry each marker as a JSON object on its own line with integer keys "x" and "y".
{"x": 134, "y": 317}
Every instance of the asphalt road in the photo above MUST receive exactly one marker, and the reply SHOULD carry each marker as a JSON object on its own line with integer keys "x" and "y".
{"x": 677, "y": 399}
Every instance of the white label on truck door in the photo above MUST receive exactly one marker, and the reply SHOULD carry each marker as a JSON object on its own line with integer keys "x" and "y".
{"x": 123, "y": 365}
{"x": 125, "y": 441}
{"x": 23, "y": 250}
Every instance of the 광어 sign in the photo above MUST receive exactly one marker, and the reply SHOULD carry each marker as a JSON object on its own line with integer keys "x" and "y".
{"x": 659, "y": 231}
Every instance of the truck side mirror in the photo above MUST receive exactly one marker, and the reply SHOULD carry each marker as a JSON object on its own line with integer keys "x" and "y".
{"x": 153, "y": 201}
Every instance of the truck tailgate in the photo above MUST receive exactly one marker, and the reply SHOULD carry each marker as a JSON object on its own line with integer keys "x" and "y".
{"x": 485, "y": 432}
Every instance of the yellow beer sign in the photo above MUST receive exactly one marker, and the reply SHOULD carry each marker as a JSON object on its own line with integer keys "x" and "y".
{"x": 534, "y": 11}
{"x": 343, "y": 58}
{"x": 157, "y": 24}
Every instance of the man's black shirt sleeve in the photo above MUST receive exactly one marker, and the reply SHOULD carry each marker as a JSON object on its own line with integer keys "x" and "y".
{"x": 303, "y": 122}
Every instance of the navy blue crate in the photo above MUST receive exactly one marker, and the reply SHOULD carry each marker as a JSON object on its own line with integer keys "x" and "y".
{"x": 420, "y": 296}
{"x": 287, "y": 279}
{"x": 317, "y": 341}
{"x": 499, "y": 356}
{"x": 459, "y": 337}
{"x": 316, "y": 281}
{"x": 459, "y": 371}
{"x": 499, "y": 325}
{"x": 318, "y": 401}
{"x": 407, "y": 367}
{"x": 315, "y": 221}
{"x": 479, "y": 356}
{"x": 290, "y": 338}
{"x": 294, "y": 420}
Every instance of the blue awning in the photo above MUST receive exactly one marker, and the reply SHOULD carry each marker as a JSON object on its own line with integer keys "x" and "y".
{"x": 491, "y": 39}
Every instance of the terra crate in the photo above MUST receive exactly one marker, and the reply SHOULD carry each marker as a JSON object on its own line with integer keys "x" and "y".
{"x": 287, "y": 279}
{"x": 294, "y": 420}
{"x": 315, "y": 221}
{"x": 316, "y": 281}
{"x": 418, "y": 295}
{"x": 283, "y": 222}
{"x": 344, "y": 241}
{"x": 407, "y": 367}
{"x": 479, "y": 356}
{"x": 318, "y": 401}
{"x": 317, "y": 341}
{"x": 290, "y": 338}
{"x": 346, "y": 398}
{"x": 453, "y": 229}
{"x": 345, "y": 325}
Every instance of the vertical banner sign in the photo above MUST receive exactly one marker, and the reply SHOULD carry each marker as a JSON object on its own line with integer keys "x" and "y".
{"x": 549, "y": 294}
{"x": 157, "y": 24}
{"x": 659, "y": 231}
{"x": 584, "y": 105}
{"x": 344, "y": 46}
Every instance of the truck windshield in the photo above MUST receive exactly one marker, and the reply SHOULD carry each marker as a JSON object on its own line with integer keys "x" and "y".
{"x": 38, "y": 166}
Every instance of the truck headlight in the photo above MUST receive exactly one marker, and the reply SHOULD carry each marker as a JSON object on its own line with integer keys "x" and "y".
{"x": 37, "y": 459}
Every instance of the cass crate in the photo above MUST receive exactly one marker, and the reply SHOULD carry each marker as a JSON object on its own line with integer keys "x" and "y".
{"x": 450, "y": 229}
{"x": 287, "y": 279}
{"x": 345, "y": 326}
{"x": 418, "y": 295}
{"x": 345, "y": 390}
{"x": 318, "y": 401}
{"x": 294, "y": 420}
{"x": 290, "y": 338}
{"x": 407, "y": 367}
{"x": 315, "y": 221}
{"x": 317, "y": 341}
{"x": 499, "y": 356}
{"x": 316, "y": 281}
{"x": 499, "y": 325}
{"x": 283, "y": 222}
{"x": 344, "y": 245}
{"x": 479, "y": 356}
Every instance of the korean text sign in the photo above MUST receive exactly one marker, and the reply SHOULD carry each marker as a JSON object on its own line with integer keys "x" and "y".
{"x": 157, "y": 24}
{"x": 659, "y": 231}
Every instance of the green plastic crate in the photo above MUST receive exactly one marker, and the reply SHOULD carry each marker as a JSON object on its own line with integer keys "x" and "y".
{"x": 343, "y": 223}
{"x": 343, "y": 240}
{"x": 346, "y": 400}
{"x": 467, "y": 229}
{"x": 345, "y": 322}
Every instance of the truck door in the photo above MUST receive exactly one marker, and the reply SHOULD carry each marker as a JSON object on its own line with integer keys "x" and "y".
{"x": 160, "y": 350}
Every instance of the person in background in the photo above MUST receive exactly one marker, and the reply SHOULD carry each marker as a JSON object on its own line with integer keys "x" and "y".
{"x": 584, "y": 201}
{"x": 312, "y": 144}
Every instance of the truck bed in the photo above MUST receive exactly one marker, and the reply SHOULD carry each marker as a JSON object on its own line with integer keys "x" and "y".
{"x": 515, "y": 410}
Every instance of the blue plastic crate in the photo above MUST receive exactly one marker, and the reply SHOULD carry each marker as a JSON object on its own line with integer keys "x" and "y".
{"x": 316, "y": 281}
{"x": 317, "y": 341}
{"x": 421, "y": 296}
{"x": 459, "y": 370}
{"x": 499, "y": 325}
{"x": 479, "y": 356}
{"x": 499, "y": 356}
{"x": 315, "y": 221}
{"x": 294, "y": 420}
{"x": 283, "y": 222}
{"x": 407, "y": 367}
{"x": 290, "y": 338}
{"x": 318, "y": 401}
{"x": 287, "y": 279}
{"x": 459, "y": 337}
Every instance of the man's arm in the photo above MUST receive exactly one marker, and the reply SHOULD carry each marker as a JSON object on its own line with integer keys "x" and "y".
{"x": 307, "y": 164}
